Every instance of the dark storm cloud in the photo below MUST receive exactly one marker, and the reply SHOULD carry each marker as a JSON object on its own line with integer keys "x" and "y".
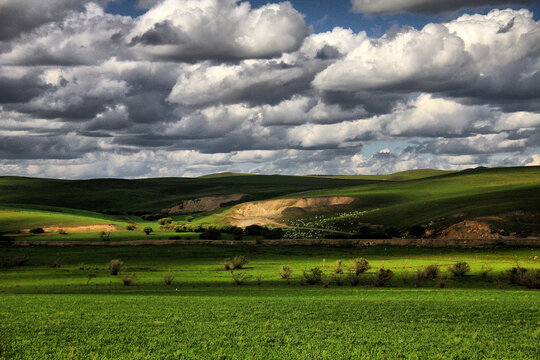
{"x": 427, "y": 6}
{"x": 44, "y": 147}
{"x": 20, "y": 89}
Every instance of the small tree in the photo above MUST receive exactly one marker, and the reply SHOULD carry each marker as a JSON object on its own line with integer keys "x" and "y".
{"x": 382, "y": 277}
{"x": 37, "y": 230}
{"x": 147, "y": 230}
{"x": 130, "y": 227}
{"x": 286, "y": 272}
{"x": 313, "y": 276}
{"x": 168, "y": 278}
{"x": 210, "y": 234}
{"x": 105, "y": 236}
{"x": 115, "y": 266}
{"x": 360, "y": 266}
{"x": 239, "y": 262}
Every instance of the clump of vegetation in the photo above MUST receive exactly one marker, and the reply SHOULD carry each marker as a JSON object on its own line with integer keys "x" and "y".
{"x": 484, "y": 272}
{"x": 420, "y": 277}
{"x": 147, "y": 230}
{"x": 62, "y": 232}
{"x": 530, "y": 279}
{"x": 227, "y": 264}
{"x": 238, "y": 233}
{"x": 382, "y": 277}
{"x": 238, "y": 262}
{"x": 105, "y": 236}
{"x": 514, "y": 275}
{"x": 443, "y": 282}
{"x": 459, "y": 269}
{"x": 338, "y": 267}
{"x": 165, "y": 221}
{"x": 239, "y": 278}
{"x": 131, "y": 227}
{"x": 90, "y": 277}
{"x": 115, "y": 266}
{"x": 254, "y": 230}
{"x": 179, "y": 228}
{"x": 168, "y": 278}
{"x": 189, "y": 218}
{"x": 37, "y": 230}
{"x": 129, "y": 279}
{"x": 210, "y": 234}
{"x": 286, "y": 272}
{"x": 431, "y": 272}
{"x": 417, "y": 231}
{"x": 338, "y": 279}
{"x": 81, "y": 266}
{"x": 360, "y": 266}
{"x": 313, "y": 276}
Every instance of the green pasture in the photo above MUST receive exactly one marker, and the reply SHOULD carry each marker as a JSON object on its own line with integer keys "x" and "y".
{"x": 56, "y": 313}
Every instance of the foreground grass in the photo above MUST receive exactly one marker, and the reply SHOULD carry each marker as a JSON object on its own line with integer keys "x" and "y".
{"x": 50, "y": 313}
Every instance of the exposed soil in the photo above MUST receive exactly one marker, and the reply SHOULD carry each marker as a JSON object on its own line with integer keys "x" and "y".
{"x": 469, "y": 229}
{"x": 269, "y": 212}
{"x": 207, "y": 203}
{"x": 80, "y": 229}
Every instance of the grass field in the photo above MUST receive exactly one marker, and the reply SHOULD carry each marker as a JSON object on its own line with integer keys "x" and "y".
{"x": 50, "y": 313}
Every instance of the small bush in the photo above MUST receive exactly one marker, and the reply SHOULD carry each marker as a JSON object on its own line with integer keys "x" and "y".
{"x": 360, "y": 266}
{"x": 105, "y": 236}
{"x": 338, "y": 268}
{"x": 443, "y": 282}
{"x": 168, "y": 278}
{"x": 179, "y": 228}
{"x": 37, "y": 230}
{"x": 354, "y": 279}
{"x": 81, "y": 266}
{"x": 189, "y": 218}
{"x": 259, "y": 278}
{"x": 131, "y": 227}
{"x": 313, "y": 276}
{"x": 420, "y": 277}
{"x": 62, "y": 232}
{"x": 239, "y": 278}
{"x": 165, "y": 221}
{"x": 382, "y": 277}
{"x": 338, "y": 279}
{"x": 129, "y": 279}
{"x": 254, "y": 230}
{"x": 147, "y": 230}
{"x": 115, "y": 266}
{"x": 239, "y": 262}
{"x": 514, "y": 275}
{"x": 460, "y": 269}
{"x": 227, "y": 265}
{"x": 431, "y": 272}
{"x": 530, "y": 279}
{"x": 286, "y": 272}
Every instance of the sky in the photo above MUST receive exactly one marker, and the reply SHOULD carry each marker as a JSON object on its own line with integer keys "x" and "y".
{"x": 159, "y": 88}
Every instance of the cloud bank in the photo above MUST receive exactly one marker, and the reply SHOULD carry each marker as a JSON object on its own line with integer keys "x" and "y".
{"x": 183, "y": 91}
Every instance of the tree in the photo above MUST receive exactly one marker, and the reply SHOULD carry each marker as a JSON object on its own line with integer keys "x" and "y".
{"x": 165, "y": 221}
{"x": 147, "y": 230}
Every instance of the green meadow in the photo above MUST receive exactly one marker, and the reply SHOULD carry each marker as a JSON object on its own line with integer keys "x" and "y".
{"x": 62, "y": 303}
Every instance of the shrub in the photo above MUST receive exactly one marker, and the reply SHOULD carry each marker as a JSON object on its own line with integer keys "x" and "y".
{"x": 239, "y": 278}
{"x": 179, "y": 228}
{"x": 189, "y": 218}
{"x": 338, "y": 268}
{"x": 420, "y": 277}
{"x": 442, "y": 282}
{"x": 210, "y": 234}
{"x": 354, "y": 279}
{"x": 165, "y": 221}
{"x": 286, "y": 272}
{"x": 147, "y": 230}
{"x": 313, "y": 276}
{"x": 62, "y": 232}
{"x": 131, "y": 227}
{"x": 530, "y": 279}
{"x": 115, "y": 266}
{"x": 129, "y": 279}
{"x": 514, "y": 275}
{"x": 239, "y": 262}
{"x": 81, "y": 266}
{"x": 484, "y": 272}
{"x": 37, "y": 230}
{"x": 227, "y": 264}
{"x": 276, "y": 233}
{"x": 168, "y": 278}
{"x": 417, "y": 231}
{"x": 338, "y": 279}
{"x": 382, "y": 277}
{"x": 360, "y": 266}
{"x": 460, "y": 269}
{"x": 259, "y": 278}
{"x": 105, "y": 236}
{"x": 431, "y": 272}
{"x": 237, "y": 231}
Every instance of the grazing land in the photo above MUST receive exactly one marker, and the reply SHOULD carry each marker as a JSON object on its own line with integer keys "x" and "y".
{"x": 60, "y": 303}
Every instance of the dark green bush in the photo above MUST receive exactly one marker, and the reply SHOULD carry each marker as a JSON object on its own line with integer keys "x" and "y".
{"x": 165, "y": 221}
{"x": 460, "y": 269}
{"x": 530, "y": 279}
{"x": 62, "y": 232}
{"x": 382, "y": 277}
{"x": 147, "y": 230}
{"x": 313, "y": 276}
{"x": 360, "y": 266}
{"x": 338, "y": 267}
{"x": 37, "y": 230}
{"x": 431, "y": 272}
{"x": 286, "y": 272}
{"x": 254, "y": 230}
{"x": 239, "y": 278}
{"x": 168, "y": 278}
{"x": 239, "y": 262}
{"x": 115, "y": 266}
{"x": 129, "y": 279}
{"x": 131, "y": 227}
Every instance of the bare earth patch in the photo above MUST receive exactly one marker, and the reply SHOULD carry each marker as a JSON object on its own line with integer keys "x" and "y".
{"x": 81, "y": 229}
{"x": 207, "y": 203}
{"x": 270, "y": 211}
{"x": 468, "y": 229}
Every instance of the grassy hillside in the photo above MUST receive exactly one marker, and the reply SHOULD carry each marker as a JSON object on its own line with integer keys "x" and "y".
{"x": 399, "y": 176}
{"x": 152, "y": 194}
{"x": 462, "y": 194}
